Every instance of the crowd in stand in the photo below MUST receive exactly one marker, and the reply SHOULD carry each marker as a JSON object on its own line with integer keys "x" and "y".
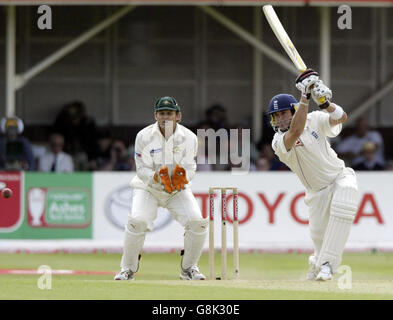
{"x": 76, "y": 144}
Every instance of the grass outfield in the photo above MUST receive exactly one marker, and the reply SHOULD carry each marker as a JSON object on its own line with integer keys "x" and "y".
{"x": 262, "y": 276}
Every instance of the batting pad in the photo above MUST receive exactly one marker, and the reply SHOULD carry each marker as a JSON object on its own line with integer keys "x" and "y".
{"x": 194, "y": 239}
{"x": 342, "y": 213}
{"x": 133, "y": 243}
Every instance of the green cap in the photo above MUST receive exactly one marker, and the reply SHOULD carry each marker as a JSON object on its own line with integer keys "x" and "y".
{"x": 166, "y": 103}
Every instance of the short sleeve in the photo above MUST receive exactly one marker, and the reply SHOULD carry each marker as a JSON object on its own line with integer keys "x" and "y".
{"x": 279, "y": 146}
{"x": 322, "y": 119}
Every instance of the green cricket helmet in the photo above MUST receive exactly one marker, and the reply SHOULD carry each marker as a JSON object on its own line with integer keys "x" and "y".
{"x": 166, "y": 103}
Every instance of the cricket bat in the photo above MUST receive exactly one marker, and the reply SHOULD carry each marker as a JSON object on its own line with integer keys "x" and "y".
{"x": 285, "y": 41}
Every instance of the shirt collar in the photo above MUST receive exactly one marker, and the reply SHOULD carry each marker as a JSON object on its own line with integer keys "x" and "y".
{"x": 179, "y": 132}
{"x": 156, "y": 129}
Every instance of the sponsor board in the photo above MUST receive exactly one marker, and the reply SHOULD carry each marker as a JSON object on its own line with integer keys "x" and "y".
{"x": 112, "y": 204}
{"x": 58, "y": 207}
{"x": 11, "y": 214}
{"x": 272, "y": 212}
{"x": 55, "y": 206}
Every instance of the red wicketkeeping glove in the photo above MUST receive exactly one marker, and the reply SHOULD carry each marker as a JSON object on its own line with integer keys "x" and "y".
{"x": 165, "y": 179}
{"x": 179, "y": 178}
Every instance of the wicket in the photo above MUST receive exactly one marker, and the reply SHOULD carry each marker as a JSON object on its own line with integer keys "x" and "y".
{"x": 224, "y": 231}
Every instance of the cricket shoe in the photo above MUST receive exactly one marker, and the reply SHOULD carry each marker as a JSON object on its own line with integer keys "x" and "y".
{"x": 191, "y": 273}
{"x": 325, "y": 272}
{"x": 312, "y": 271}
{"x": 125, "y": 274}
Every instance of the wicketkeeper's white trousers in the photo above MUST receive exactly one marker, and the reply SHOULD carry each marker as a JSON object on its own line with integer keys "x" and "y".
{"x": 183, "y": 206}
{"x": 185, "y": 210}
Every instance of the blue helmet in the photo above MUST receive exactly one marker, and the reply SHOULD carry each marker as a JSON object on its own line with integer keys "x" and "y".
{"x": 281, "y": 102}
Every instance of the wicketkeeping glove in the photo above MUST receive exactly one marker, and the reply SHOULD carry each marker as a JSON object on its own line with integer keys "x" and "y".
{"x": 164, "y": 178}
{"x": 321, "y": 92}
{"x": 305, "y": 81}
{"x": 179, "y": 178}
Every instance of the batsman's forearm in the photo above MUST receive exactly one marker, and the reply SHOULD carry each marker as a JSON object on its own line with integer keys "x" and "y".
{"x": 330, "y": 108}
{"x": 299, "y": 119}
{"x": 336, "y": 114}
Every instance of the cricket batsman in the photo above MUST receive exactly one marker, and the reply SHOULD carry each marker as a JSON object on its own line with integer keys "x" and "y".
{"x": 165, "y": 156}
{"x": 301, "y": 143}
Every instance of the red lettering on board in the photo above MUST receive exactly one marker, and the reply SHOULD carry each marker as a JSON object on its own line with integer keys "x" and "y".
{"x": 293, "y": 208}
{"x": 271, "y": 208}
{"x": 250, "y": 208}
{"x": 204, "y": 199}
{"x": 368, "y": 197}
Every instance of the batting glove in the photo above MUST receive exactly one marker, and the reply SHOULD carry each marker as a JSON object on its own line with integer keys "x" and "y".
{"x": 305, "y": 81}
{"x": 321, "y": 94}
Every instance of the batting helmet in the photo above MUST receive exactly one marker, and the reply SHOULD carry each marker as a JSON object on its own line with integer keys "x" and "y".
{"x": 281, "y": 102}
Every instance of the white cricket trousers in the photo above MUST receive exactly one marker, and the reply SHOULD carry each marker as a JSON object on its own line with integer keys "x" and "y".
{"x": 331, "y": 213}
{"x": 185, "y": 210}
{"x": 183, "y": 206}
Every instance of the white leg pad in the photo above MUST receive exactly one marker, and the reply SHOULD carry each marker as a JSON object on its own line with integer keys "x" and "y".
{"x": 133, "y": 243}
{"x": 342, "y": 213}
{"x": 194, "y": 239}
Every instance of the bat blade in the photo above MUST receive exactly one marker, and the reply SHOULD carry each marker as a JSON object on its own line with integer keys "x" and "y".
{"x": 285, "y": 41}
{"x": 283, "y": 37}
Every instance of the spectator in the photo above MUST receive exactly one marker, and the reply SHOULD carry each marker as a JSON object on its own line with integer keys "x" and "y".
{"x": 208, "y": 157}
{"x": 131, "y": 157}
{"x": 15, "y": 150}
{"x": 268, "y": 153}
{"x": 203, "y": 150}
{"x": 237, "y": 150}
{"x": 101, "y": 155}
{"x": 216, "y": 117}
{"x": 389, "y": 165}
{"x": 369, "y": 158}
{"x": 55, "y": 159}
{"x": 263, "y": 164}
{"x": 350, "y": 148}
{"x": 119, "y": 159}
{"x": 268, "y": 134}
{"x": 222, "y": 161}
{"x": 79, "y": 132}
{"x": 39, "y": 149}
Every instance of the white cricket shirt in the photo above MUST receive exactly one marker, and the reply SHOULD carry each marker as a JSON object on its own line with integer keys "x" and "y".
{"x": 152, "y": 152}
{"x": 311, "y": 157}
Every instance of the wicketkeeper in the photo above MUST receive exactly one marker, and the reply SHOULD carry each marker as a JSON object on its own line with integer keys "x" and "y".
{"x": 331, "y": 188}
{"x": 165, "y": 156}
